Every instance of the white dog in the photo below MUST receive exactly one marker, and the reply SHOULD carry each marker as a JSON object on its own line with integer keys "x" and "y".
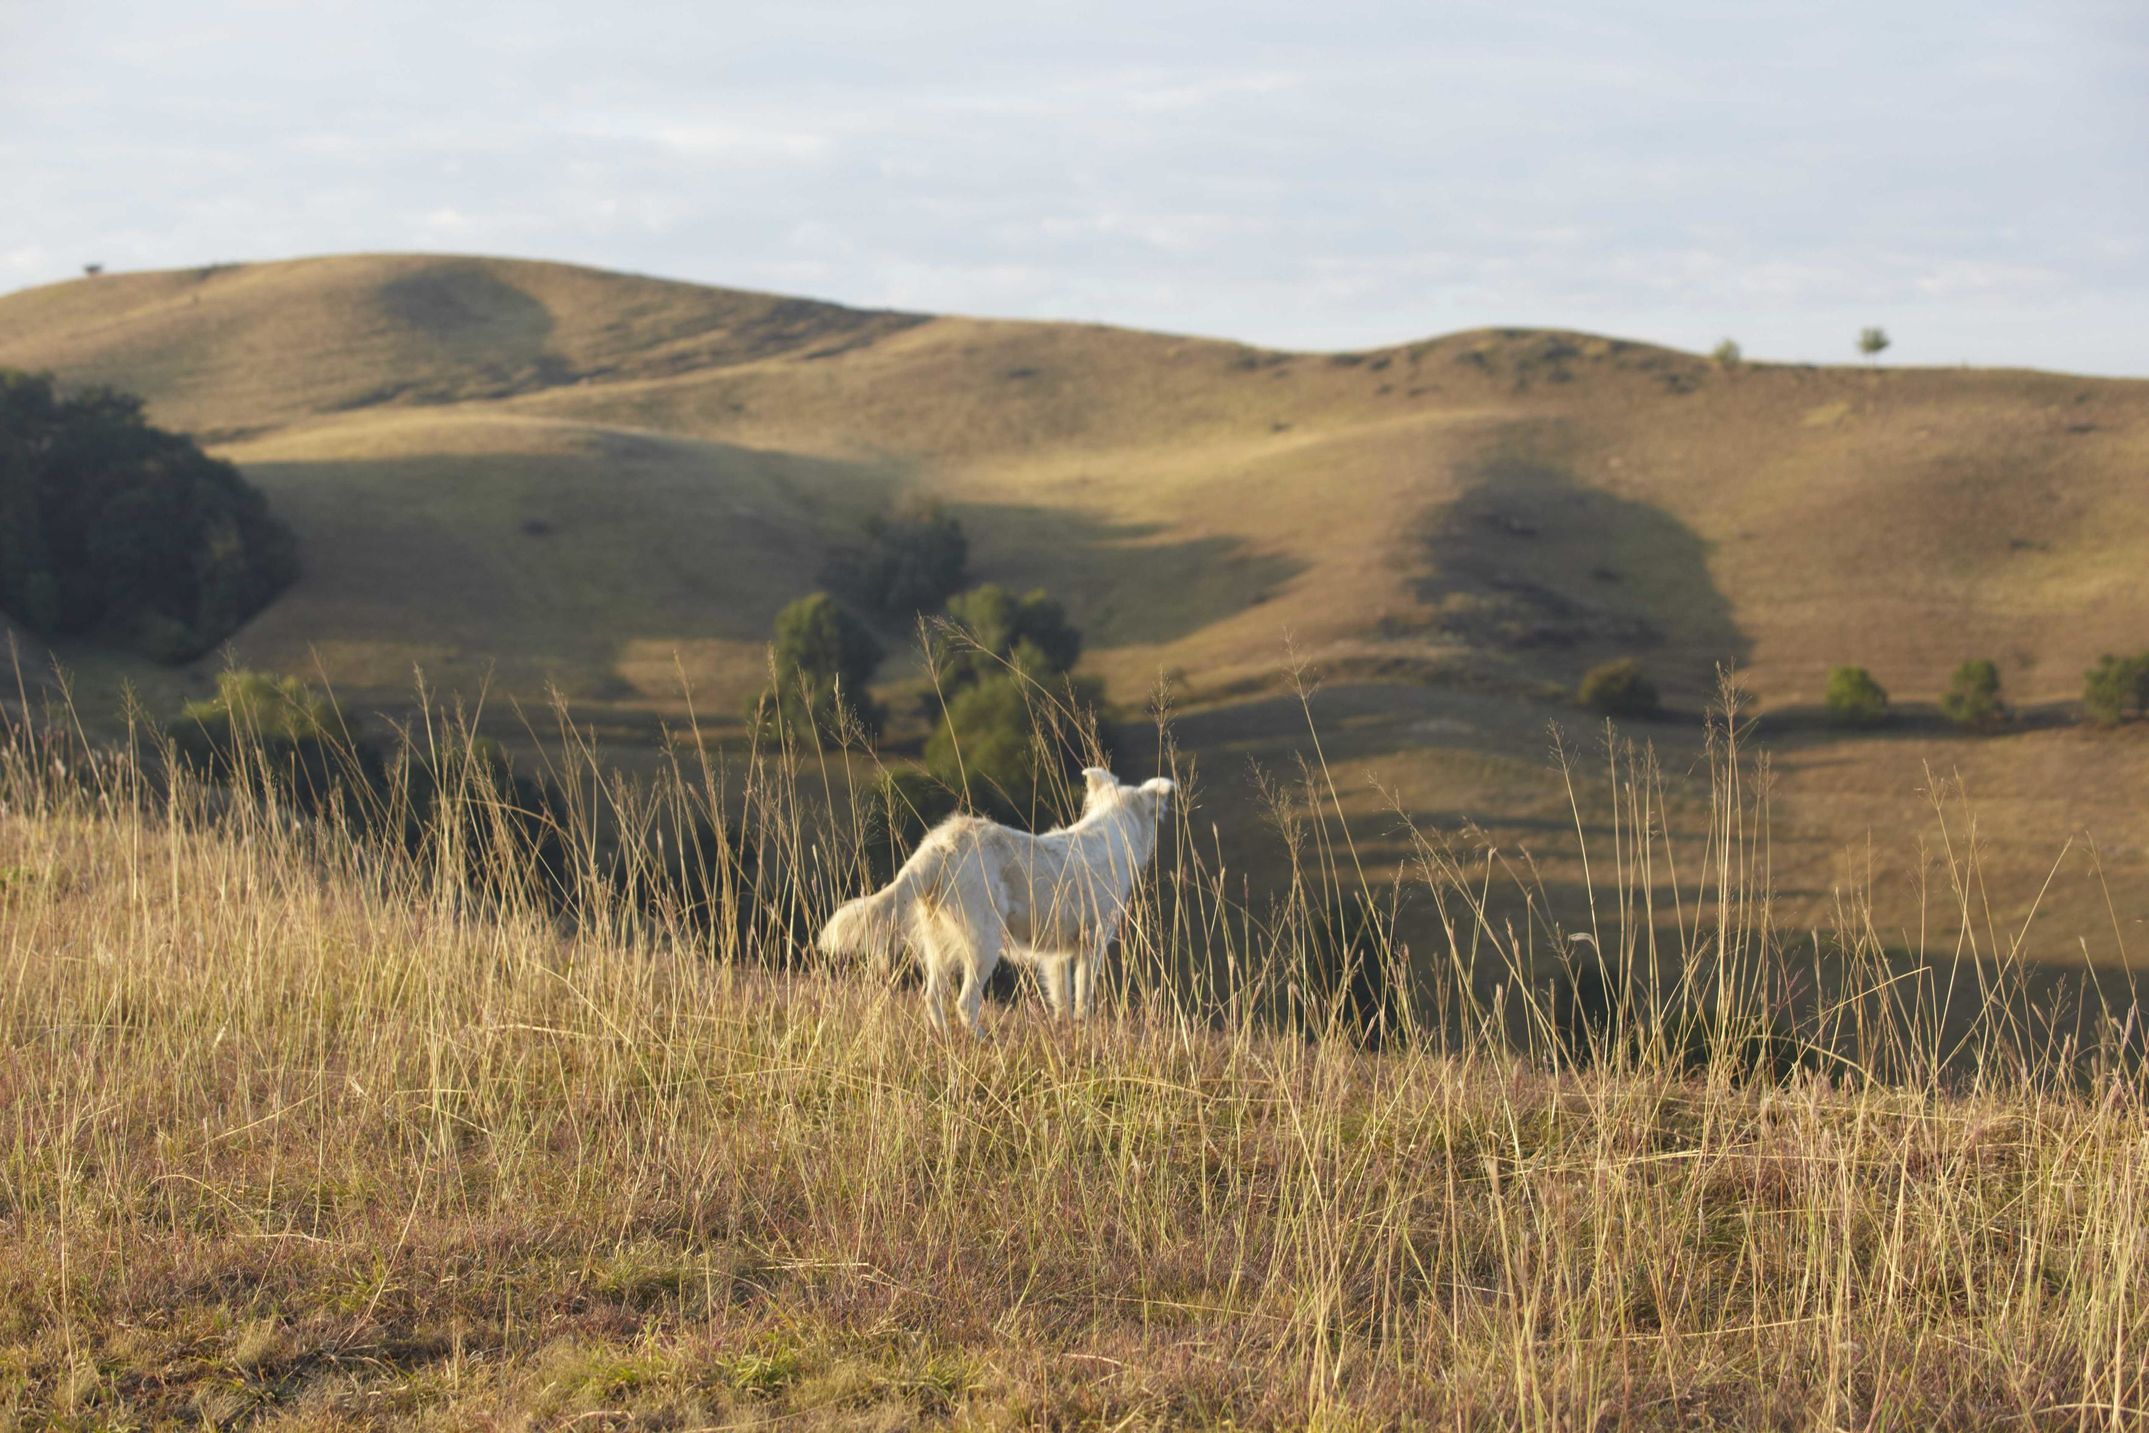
{"x": 975, "y": 890}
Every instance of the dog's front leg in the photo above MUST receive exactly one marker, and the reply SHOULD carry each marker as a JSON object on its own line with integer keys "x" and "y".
{"x": 971, "y": 998}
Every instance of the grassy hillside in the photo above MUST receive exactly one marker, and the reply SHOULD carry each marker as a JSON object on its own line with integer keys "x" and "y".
{"x": 534, "y": 473}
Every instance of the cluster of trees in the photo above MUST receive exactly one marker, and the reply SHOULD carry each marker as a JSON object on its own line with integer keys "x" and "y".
{"x": 2114, "y": 690}
{"x": 1852, "y": 697}
{"x": 1011, "y": 718}
{"x": 1008, "y": 717}
{"x": 1006, "y": 707}
{"x": 115, "y": 528}
{"x": 2111, "y": 691}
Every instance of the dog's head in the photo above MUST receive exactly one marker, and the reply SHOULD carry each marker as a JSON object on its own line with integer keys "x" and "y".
{"x": 1104, "y": 789}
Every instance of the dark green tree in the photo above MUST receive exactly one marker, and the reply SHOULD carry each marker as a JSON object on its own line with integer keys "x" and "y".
{"x": 1854, "y": 698}
{"x": 1010, "y": 745}
{"x": 113, "y": 528}
{"x": 823, "y": 658}
{"x": 2116, "y": 688}
{"x": 1619, "y": 688}
{"x": 1973, "y": 696}
{"x": 909, "y": 564}
{"x": 997, "y": 630}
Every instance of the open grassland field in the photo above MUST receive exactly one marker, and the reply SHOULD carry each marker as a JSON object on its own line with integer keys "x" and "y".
{"x": 304, "y": 1125}
{"x": 531, "y": 474}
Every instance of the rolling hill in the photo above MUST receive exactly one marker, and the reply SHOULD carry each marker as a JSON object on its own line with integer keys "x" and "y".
{"x": 530, "y": 473}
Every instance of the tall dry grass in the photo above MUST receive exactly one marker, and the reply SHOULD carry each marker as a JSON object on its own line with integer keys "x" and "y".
{"x": 418, "y": 1106}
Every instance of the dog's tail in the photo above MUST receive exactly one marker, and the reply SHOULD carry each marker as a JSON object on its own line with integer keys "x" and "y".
{"x": 871, "y": 927}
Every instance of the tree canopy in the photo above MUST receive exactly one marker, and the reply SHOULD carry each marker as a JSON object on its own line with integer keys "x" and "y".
{"x": 824, "y": 658}
{"x": 113, "y": 528}
{"x": 998, "y": 630}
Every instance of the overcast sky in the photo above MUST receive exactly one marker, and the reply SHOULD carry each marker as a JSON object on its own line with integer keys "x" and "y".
{"x": 1971, "y": 174}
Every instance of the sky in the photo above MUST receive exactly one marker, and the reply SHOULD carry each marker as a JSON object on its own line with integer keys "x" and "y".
{"x": 1971, "y": 175}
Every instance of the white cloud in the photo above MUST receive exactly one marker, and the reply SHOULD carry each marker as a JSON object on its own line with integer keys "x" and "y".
{"x": 1359, "y": 172}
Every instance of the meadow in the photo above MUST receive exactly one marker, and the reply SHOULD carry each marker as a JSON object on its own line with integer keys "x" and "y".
{"x": 416, "y": 1107}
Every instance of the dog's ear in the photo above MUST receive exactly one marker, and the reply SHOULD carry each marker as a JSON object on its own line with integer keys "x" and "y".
{"x": 1098, "y": 779}
{"x": 1160, "y": 786}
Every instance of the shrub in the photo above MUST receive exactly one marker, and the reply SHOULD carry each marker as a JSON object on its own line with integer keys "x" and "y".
{"x": 1854, "y": 698}
{"x": 114, "y": 528}
{"x": 1619, "y": 688}
{"x": 910, "y": 562}
{"x": 1007, "y": 743}
{"x": 1726, "y": 354}
{"x": 278, "y": 733}
{"x": 998, "y": 630}
{"x": 823, "y": 657}
{"x": 987, "y": 744}
{"x": 2115, "y": 688}
{"x": 1973, "y": 697}
{"x": 262, "y": 704}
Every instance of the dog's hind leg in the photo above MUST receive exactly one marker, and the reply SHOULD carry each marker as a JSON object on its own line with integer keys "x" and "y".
{"x": 933, "y": 955}
{"x": 1083, "y": 973}
{"x": 981, "y": 953}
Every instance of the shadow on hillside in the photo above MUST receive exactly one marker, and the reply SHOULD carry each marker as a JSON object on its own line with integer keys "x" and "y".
{"x": 1124, "y": 583}
{"x": 550, "y": 561}
{"x": 558, "y": 564}
{"x": 1528, "y": 560}
{"x": 463, "y": 306}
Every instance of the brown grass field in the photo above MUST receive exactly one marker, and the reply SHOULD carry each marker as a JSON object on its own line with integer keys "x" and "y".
{"x": 308, "y": 1129}
{"x": 424, "y": 1108}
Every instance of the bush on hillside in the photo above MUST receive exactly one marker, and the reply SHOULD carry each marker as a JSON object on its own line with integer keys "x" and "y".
{"x": 1727, "y": 354}
{"x": 113, "y": 528}
{"x": 823, "y": 659}
{"x": 909, "y": 564}
{"x": 1618, "y": 689}
{"x": 1854, "y": 698}
{"x": 2116, "y": 688}
{"x": 988, "y": 745}
{"x": 995, "y": 630}
{"x": 273, "y": 730}
{"x": 1012, "y": 746}
{"x": 1973, "y": 697}
{"x": 262, "y": 704}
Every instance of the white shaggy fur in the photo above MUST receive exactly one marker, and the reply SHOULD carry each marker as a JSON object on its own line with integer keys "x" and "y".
{"x": 975, "y": 890}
